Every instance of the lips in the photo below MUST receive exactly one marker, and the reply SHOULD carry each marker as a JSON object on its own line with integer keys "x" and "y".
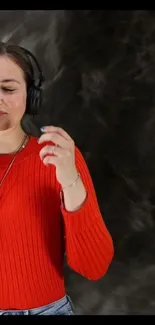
{"x": 2, "y": 113}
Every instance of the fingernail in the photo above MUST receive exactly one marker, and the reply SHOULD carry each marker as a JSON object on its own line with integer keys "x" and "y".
{"x": 38, "y": 140}
{"x": 42, "y": 128}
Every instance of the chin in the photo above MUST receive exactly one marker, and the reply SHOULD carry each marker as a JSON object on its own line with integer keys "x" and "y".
{"x": 4, "y": 126}
{"x": 8, "y": 126}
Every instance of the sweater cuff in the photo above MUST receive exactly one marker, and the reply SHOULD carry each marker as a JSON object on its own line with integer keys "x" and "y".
{"x": 82, "y": 218}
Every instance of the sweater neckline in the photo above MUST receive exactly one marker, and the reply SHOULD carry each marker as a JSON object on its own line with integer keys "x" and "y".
{"x": 31, "y": 146}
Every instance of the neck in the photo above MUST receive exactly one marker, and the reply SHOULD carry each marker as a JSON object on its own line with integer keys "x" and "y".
{"x": 11, "y": 139}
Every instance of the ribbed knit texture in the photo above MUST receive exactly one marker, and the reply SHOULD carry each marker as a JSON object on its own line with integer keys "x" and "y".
{"x": 31, "y": 237}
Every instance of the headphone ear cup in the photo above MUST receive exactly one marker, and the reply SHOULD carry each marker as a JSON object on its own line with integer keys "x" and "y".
{"x": 34, "y": 99}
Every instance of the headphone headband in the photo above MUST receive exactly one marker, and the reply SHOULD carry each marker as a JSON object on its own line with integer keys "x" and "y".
{"x": 41, "y": 77}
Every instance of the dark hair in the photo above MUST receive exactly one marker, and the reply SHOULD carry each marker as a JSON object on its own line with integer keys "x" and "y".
{"x": 17, "y": 54}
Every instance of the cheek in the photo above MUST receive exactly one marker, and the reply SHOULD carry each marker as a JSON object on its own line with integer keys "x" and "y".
{"x": 17, "y": 104}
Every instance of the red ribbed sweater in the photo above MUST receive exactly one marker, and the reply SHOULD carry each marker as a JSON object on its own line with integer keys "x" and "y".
{"x": 31, "y": 236}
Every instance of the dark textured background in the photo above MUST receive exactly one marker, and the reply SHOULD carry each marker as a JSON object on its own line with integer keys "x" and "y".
{"x": 99, "y": 67}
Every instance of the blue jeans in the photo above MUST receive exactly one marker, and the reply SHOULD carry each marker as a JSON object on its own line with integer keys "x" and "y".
{"x": 62, "y": 306}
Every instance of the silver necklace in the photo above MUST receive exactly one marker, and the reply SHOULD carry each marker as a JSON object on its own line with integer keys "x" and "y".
{"x": 22, "y": 146}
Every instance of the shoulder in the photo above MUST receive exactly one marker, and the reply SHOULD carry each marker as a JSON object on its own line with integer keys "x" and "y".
{"x": 31, "y": 151}
{"x": 79, "y": 155}
{"x": 81, "y": 162}
{"x": 35, "y": 147}
{"x": 33, "y": 160}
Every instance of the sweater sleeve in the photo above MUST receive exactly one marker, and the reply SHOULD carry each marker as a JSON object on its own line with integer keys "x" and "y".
{"x": 89, "y": 245}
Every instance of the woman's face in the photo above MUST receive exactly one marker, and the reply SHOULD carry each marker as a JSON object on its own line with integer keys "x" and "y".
{"x": 13, "y": 93}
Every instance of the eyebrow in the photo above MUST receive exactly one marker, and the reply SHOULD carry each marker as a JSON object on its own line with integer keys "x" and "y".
{"x": 10, "y": 80}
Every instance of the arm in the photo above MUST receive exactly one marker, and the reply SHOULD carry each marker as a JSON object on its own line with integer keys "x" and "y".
{"x": 89, "y": 246}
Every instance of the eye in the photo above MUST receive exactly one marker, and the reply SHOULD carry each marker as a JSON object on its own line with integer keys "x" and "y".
{"x": 8, "y": 89}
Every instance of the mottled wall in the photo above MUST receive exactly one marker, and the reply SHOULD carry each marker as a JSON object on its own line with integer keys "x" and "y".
{"x": 104, "y": 96}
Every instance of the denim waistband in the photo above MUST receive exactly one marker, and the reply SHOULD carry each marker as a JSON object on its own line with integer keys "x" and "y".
{"x": 54, "y": 307}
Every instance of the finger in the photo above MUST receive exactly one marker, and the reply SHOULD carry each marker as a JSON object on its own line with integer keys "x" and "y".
{"x": 50, "y": 160}
{"x": 60, "y": 152}
{"x": 54, "y": 137}
{"x": 58, "y": 130}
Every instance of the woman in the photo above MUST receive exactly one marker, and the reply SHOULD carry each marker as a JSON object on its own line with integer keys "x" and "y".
{"x": 37, "y": 224}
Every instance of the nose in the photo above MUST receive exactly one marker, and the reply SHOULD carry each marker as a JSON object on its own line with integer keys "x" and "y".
{"x": 1, "y": 96}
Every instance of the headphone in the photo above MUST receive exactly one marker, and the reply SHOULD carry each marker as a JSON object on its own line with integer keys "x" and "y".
{"x": 34, "y": 95}
{"x": 31, "y": 121}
